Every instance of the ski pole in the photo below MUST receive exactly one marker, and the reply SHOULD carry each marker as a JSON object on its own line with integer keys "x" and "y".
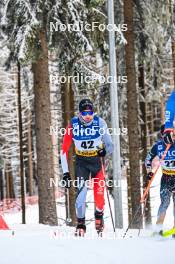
{"x": 133, "y": 219}
{"x": 138, "y": 209}
{"x": 110, "y": 209}
{"x": 154, "y": 174}
{"x": 69, "y": 220}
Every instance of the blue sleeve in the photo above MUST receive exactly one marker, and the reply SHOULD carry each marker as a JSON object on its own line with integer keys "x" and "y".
{"x": 151, "y": 155}
{"x": 170, "y": 111}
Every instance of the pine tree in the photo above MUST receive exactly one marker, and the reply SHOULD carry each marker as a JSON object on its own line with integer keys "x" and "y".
{"x": 132, "y": 103}
{"x": 24, "y": 23}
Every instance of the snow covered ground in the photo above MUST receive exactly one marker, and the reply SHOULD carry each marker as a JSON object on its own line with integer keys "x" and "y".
{"x": 33, "y": 243}
{"x": 37, "y": 244}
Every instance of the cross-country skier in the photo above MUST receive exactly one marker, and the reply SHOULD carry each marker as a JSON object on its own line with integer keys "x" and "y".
{"x": 167, "y": 187}
{"x": 169, "y": 118}
{"x": 92, "y": 141}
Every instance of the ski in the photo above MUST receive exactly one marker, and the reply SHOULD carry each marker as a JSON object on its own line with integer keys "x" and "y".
{"x": 167, "y": 233}
{"x": 164, "y": 234}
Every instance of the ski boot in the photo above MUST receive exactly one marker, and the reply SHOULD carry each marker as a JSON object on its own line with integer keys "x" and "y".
{"x": 158, "y": 230}
{"x": 81, "y": 227}
{"x": 99, "y": 222}
{"x": 173, "y": 235}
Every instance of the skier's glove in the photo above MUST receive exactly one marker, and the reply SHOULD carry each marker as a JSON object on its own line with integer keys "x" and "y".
{"x": 101, "y": 152}
{"x": 149, "y": 176}
{"x": 168, "y": 137}
{"x": 67, "y": 180}
{"x": 148, "y": 165}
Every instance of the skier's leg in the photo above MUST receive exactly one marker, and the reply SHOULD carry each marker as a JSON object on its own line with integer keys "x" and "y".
{"x": 173, "y": 195}
{"x": 174, "y": 206}
{"x": 165, "y": 196}
{"x": 80, "y": 203}
{"x": 99, "y": 185}
{"x": 80, "y": 206}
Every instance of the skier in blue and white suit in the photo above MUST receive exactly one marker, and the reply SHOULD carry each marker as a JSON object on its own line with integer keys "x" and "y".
{"x": 167, "y": 186}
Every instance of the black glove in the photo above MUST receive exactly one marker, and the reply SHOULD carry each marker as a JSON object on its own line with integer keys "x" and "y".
{"x": 101, "y": 152}
{"x": 168, "y": 137}
{"x": 67, "y": 180}
{"x": 149, "y": 176}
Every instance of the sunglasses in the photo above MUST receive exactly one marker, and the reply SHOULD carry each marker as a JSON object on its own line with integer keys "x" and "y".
{"x": 85, "y": 113}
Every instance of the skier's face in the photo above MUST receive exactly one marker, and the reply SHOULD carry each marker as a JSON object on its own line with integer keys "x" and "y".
{"x": 87, "y": 115}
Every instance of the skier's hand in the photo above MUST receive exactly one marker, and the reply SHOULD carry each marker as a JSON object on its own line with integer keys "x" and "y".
{"x": 101, "y": 152}
{"x": 149, "y": 176}
{"x": 148, "y": 164}
{"x": 168, "y": 136}
{"x": 67, "y": 180}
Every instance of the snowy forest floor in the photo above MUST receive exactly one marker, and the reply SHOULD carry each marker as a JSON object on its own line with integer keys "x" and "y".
{"x": 35, "y": 243}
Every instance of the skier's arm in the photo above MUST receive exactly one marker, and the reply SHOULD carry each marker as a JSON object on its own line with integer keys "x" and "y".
{"x": 106, "y": 137}
{"x": 67, "y": 141}
{"x": 150, "y": 156}
{"x": 170, "y": 112}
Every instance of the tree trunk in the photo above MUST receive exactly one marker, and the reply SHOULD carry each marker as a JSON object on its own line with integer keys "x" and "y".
{"x": 68, "y": 113}
{"x": 173, "y": 55}
{"x": 162, "y": 109}
{"x": 47, "y": 205}
{"x": 172, "y": 11}
{"x": 143, "y": 128}
{"x": 132, "y": 119}
{"x": 1, "y": 185}
{"x": 151, "y": 123}
{"x": 30, "y": 162}
{"x": 21, "y": 155}
{"x": 9, "y": 181}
